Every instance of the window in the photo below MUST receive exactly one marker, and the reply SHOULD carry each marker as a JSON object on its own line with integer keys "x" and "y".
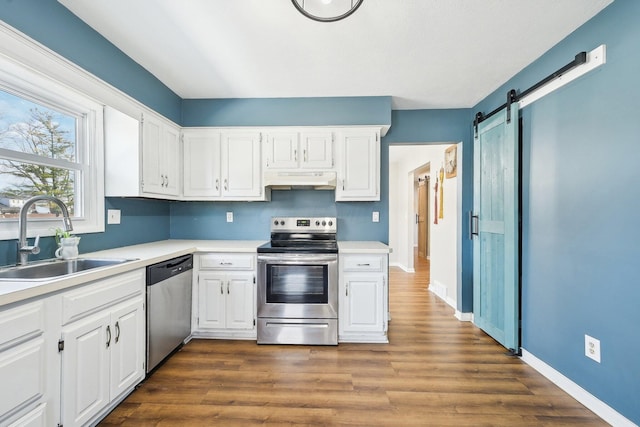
{"x": 50, "y": 143}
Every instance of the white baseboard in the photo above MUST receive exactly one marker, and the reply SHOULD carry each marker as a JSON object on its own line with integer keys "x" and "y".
{"x": 440, "y": 291}
{"x": 464, "y": 317}
{"x": 402, "y": 267}
{"x": 597, "y": 406}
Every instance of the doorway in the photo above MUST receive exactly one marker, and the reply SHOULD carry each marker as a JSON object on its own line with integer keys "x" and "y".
{"x": 411, "y": 165}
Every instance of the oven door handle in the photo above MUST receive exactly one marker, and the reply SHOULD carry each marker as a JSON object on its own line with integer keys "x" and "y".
{"x": 288, "y": 258}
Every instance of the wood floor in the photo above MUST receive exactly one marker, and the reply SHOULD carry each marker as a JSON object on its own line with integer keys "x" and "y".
{"x": 436, "y": 371}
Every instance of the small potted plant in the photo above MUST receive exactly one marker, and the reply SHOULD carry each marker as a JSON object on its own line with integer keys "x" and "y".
{"x": 67, "y": 244}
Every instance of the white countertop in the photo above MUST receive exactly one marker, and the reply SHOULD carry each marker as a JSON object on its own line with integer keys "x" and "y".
{"x": 144, "y": 255}
{"x": 147, "y": 254}
{"x": 363, "y": 247}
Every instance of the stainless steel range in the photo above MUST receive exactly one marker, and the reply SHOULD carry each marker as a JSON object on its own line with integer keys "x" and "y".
{"x": 298, "y": 282}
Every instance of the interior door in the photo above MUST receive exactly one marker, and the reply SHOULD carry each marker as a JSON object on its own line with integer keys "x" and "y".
{"x": 423, "y": 219}
{"x": 495, "y": 229}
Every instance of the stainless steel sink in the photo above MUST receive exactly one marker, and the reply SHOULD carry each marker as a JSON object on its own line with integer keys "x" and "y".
{"x": 55, "y": 268}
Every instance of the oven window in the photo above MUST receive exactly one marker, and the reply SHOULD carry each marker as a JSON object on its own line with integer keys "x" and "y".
{"x": 297, "y": 284}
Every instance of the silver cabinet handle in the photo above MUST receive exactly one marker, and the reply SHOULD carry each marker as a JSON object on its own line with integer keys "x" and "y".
{"x": 221, "y": 288}
{"x": 295, "y": 155}
{"x": 226, "y": 263}
{"x": 108, "y": 335}
{"x": 364, "y": 265}
{"x": 226, "y": 184}
{"x": 166, "y": 180}
{"x": 227, "y": 288}
{"x": 346, "y": 293}
{"x": 117, "y": 332}
{"x": 304, "y": 154}
{"x": 217, "y": 184}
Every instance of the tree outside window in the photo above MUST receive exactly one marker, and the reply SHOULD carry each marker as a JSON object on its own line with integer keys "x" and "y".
{"x": 38, "y": 155}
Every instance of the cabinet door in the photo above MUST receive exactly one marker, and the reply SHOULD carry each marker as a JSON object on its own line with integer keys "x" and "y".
{"x": 128, "y": 346}
{"x": 211, "y": 300}
{"x": 22, "y": 372}
{"x": 241, "y": 174}
{"x": 281, "y": 150}
{"x": 359, "y": 169}
{"x": 317, "y": 150}
{"x": 85, "y": 368}
{"x": 362, "y": 305}
{"x": 170, "y": 160}
{"x": 240, "y": 301}
{"x": 152, "y": 180}
{"x": 202, "y": 163}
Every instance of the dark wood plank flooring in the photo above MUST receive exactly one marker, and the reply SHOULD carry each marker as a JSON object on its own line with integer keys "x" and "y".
{"x": 436, "y": 371}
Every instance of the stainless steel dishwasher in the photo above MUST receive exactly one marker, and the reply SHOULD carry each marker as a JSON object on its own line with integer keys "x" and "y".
{"x": 168, "y": 307}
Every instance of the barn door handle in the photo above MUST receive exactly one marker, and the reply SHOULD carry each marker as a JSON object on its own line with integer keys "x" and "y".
{"x": 473, "y": 225}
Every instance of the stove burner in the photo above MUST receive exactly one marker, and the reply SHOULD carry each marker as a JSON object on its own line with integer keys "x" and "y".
{"x": 302, "y": 235}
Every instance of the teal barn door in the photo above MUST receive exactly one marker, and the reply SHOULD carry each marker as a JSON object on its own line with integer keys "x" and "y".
{"x": 495, "y": 230}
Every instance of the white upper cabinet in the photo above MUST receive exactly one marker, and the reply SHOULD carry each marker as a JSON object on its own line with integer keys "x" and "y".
{"x": 201, "y": 163}
{"x": 147, "y": 166}
{"x": 222, "y": 164}
{"x": 304, "y": 149}
{"x": 160, "y": 156}
{"x": 281, "y": 150}
{"x": 240, "y": 165}
{"x": 358, "y": 165}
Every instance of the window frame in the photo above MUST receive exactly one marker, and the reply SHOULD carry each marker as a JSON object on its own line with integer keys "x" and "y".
{"x": 25, "y": 82}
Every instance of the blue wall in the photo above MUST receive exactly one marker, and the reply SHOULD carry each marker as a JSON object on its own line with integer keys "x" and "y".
{"x": 580, "y": 210}
{"x": 141, "y": 221}
{"x": 53, "y": 25}
{"x": 207, "y": 220}
{"x": 363, "y": 110}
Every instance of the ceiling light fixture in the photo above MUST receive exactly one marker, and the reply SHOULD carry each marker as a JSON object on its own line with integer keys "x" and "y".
{"x": 326, "y": 10}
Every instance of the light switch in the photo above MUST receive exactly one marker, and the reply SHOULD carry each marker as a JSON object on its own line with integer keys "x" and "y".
{"x": 375, "y": 217}
{"x": 229, "y": 216}
{"x": 113, "y": 216}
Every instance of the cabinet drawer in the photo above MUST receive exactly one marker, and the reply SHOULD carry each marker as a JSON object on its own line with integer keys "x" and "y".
{"x": 21, "y": 323}
{"x": 227, "y": 261}
{"x": 103, "y": 293}
{"x": 362, "y": 263}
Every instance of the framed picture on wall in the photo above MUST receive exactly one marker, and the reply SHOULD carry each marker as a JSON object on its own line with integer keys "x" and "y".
{"x": 451, "y": 161}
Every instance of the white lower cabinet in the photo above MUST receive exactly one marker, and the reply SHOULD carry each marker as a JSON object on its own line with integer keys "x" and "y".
{"x": 363, "y": 303}
{"x": 226, "y": 296}
{"x": 103, "y": 352}
{"x": 28, "y": 392}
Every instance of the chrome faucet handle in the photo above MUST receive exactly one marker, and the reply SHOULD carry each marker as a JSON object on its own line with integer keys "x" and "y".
{"x": 35, "y": 249}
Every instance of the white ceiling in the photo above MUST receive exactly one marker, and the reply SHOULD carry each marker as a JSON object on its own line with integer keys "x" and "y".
{"x": 423, "y": 53}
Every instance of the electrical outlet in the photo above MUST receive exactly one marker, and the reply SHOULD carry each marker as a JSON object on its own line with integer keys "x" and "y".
{"x": 375, "y": 217}
{"x": 592, "y": 348}
{"x": 229, "y": 216}
{"x": 113, "y": 216}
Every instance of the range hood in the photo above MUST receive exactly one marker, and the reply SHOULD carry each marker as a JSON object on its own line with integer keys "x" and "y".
{"x": 300, "y": 180}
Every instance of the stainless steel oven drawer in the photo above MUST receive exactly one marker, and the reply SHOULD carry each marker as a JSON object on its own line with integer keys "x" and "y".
{"x": 298, "y": 331}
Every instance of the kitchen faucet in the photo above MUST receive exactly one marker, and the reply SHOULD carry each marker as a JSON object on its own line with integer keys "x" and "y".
{"x": 23, "y": 249}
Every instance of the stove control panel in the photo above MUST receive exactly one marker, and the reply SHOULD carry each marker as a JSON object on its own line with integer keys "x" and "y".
{"x": 310, "y": 224}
